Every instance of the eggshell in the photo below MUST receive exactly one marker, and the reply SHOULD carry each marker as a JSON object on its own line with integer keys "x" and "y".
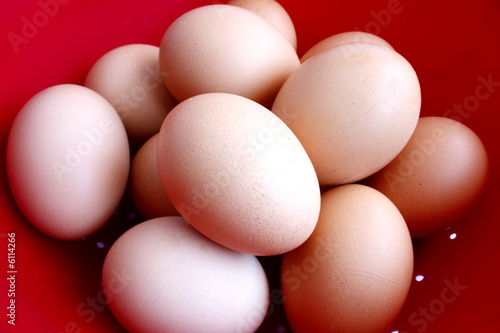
{"x": 353, "y": 107}
{"x": 223, "y": 48}
{"x": 438, "y": 177}
{"x": 343, "y": 38}
{"x": 146, "y": 187}
{"x": 129, "y": 78}
{"x": 164, "y": 276}
{"x": 238, "y": 174}
{"x": 68, "y": 161}
{"x": 274, "y": 13}
{"x": 354, "y": 272}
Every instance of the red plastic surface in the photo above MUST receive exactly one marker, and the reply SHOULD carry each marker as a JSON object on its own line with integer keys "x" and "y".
{"x": 454, "y": 47}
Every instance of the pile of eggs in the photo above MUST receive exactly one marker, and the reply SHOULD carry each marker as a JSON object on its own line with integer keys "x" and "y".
{"x": 233, "y": 147}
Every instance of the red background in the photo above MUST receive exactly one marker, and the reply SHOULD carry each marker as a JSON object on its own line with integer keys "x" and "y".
{"x": 450, "y": 44}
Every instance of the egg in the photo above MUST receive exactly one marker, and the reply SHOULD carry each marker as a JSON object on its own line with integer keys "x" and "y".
{"x": 438, "y": 177}
{"x": 164, "y": 276}
{"x": 353, "y": 107}
{"x": 274, "y": 13}
{"x": 224, "y": 48}
{"x": 238, "y": 174}
{"x": 343, "y": 38}
{"x": 353, "y": 274}
{"x": 68, "y": 161}
{"x": 129, "y": 78}
{"x": 146, "y": 187}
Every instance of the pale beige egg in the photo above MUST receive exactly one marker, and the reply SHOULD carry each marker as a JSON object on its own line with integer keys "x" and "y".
{"x": 68, "y": 161}
{"x": 274, "y": 13}
{"x": 238, "y": 174}
{"x": 164, "y": 276}
{"x": 353, "y": 107}
{"x": 224, "y": 48}
{"x": 129, "y": 78}
{"x": 343, "y": 38}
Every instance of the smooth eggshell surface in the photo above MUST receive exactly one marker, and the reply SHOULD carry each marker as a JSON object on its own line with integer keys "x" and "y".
{"x": 238, "y": 174}
{"x": 274, "y": 13}
{"x": 438, "y": 177}
{"x": 129, "y": 78}
{"x": 353, "y": 107}
{"x": 343, "y": 38}
{"x": 354, "y": 272}
{"x": 223, "y": 48}
{"x": 146, "y": 188}
{"x": 68, "y": 161}
{"x": 164, "y": 276}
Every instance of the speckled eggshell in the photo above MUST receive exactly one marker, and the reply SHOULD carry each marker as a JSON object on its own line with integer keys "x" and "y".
{"x": 129, "y": 78}
{"x": 274, "y": 13}
{"x": 224, "y": 48}
{"x": 353, "y": 107}
{"x": 164, "y": 276}
{"x": 354, "y": 273}
{"x": 68, "y": 161}
{"x": 146, "y": 188}
{"x": 343, "y": 38}
{"x": 238, "y": 174}
{"x": 438, "y": 177}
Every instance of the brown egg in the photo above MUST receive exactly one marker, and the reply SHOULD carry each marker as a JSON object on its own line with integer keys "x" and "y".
{"x": 238, "y": 174}
{"x": 274, "y": 13}
{"x": 164, "y": 276}
{"x": 129, "y": 78}
{"x": 354, "y": 272}
{"x": 343, "y": 38}
{"x": 353, "y": 107}
{"x": 68, "y": 161}
{"x": 438, "y": 176}
{"x": 146, "y": 187}
{"x": 223, "y": 48}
